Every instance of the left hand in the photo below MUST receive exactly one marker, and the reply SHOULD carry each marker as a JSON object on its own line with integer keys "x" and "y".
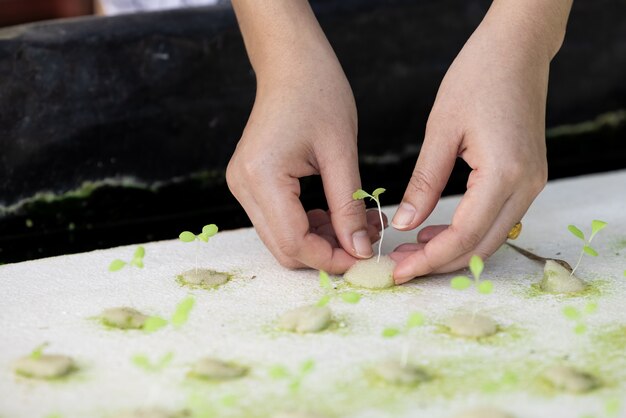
{"x": 490, "y": 111}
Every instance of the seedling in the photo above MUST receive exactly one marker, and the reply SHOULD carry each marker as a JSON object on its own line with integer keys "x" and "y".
{"x": 207, "y": 232}
{"x": 596, "y": 226}
{"x": 294, "y": 379}
{"x": 476, "y": 267}
{"x": 361, "y": 194}
{"x": 202, "y": 407}
{"x": 578, "y": 316}
{"x": 612, "y": 408}
{"x": 38, "y": 351}
{"x": 179, "y": 318}
{"x": 136, "y": 261}
{"x": 142, "y": 361}
{"x": 331, "y": 293}
{"x": 415, "y": 319}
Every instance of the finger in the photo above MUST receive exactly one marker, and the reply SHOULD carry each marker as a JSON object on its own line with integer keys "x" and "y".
{"x": 474, "y": 216}
{"x": 431, "y": 173}
{"x": 290, "y": 227}
{"x": 340, "y": 176}
{"x": 430, "y": 232}
{"x": 511, "y": 213}
{"x": 319, "y": 222}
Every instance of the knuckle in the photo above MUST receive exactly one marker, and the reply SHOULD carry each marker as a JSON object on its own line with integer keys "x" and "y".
{"x": 421, "y": 181}
{"x": 288, "y": 247}
{"x": 468, "y": 240}
{"x": 350, "y": 208}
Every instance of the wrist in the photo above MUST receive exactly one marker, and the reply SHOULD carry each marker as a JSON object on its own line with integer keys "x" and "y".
{"x": 536, "y": 26}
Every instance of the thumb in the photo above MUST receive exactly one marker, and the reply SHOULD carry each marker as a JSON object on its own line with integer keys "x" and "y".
{"x": 431, "y": 173}
{"x": 340, "y": 176}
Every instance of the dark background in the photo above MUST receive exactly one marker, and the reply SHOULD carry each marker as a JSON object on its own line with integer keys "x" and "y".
{"x": 115, "y": 130}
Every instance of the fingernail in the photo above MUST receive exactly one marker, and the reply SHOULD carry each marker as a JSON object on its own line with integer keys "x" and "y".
{"x": 404, "y": 216}
{"x": 402, "y": 275}
{"x": 362, "y": 244}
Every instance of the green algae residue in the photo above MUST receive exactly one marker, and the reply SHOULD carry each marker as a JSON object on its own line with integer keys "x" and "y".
{"x": 183, "y": 283}
{"x": 339, "y": 325}
{"x": 593, "y": 289}
{"x": 504, "y": 335}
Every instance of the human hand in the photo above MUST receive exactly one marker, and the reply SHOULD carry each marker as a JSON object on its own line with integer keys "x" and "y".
{"x": 490, "y": 111}
{"x": 304, "y": 123}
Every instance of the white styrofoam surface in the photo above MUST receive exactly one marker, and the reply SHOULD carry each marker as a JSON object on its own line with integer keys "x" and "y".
{"x": 54, "y": 300}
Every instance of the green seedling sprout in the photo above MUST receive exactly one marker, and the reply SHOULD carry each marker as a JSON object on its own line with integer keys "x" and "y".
{"x": 38, "y": 351}
{"x": 294, "y": 379}
{"x": 136, "y": 261}
{"x": 579, "y": 316}
{"x": 362, "y": 194}
{"x": 201, "y": 407}
{"x": 612, "y": 408}
{"x": 207, "y": 232}
{"x": 330, "y": 292}
{"x": 476, "y": 266}
{"x": 143, "y": 362}
{"x": 415, "y": 319}
{"x": 596, "y": 226}
{"x": 179, "y": 317}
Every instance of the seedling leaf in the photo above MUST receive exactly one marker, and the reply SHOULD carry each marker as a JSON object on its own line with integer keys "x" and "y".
{"x": 476, "y": 266}
{"x": 154, "y": 323}
{"x": 612, "y": 406}
{"x": 571, "y": 313}
{"x": 591, "y": 307}
{"x": 38, "y": 351}
{"x": 140, "y": 252}
{"x": 203, "y": 237}
{"x": 324, "y": 300}
{"x": 181, "y": 314}
{"x": 485, "y": 287}
{"x": 307, "y": 366}
{"x": 378, "y": 192}
{"x": 324, "y": 280}
{"x": 278, "y": 372}
{"x": 576, "y": 232}
{"x": 416, "y": 319}
{"x": 580, "y": 328}
{"x": 165, "y": 360}
{"x": 137, "y": 262}
{"x": 596, "y": 226}
{"x": 360, "y": 194}
{"x": 390, "y": 332}
{"x": 590, "y": 251}
{"x": 209, "y": 230}
{"x": 116, "y": 265}
{"x": 460, "y": 282}
{"x": 142, "y": 361}
{"x": 187, "y": 236}
{"x": 351, "y": 297}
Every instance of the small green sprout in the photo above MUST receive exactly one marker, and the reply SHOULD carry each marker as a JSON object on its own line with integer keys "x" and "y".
{"x": 136, "y": 261}
{"x": 142, "y": 361}
{"x": 280, "y": 372}
{"x": 476, "y": 267}
{"x": 507, "y": 380}
{"x": 38, "y": 351}
{"x": 362, "y": 194}
{"x": 415, "y": 319}
{"x": 201, "y": 407}
{"x": 612, "y": 408}
{"x": 181, "y": 314}
{"x": 578, "y": 316}
{"x": 154, "y": 323}
{"x": 596, "y": 226}
{"x": 179, "y": 317}
{"x": 330, "y": 292}
{"x": 207, "y": 232}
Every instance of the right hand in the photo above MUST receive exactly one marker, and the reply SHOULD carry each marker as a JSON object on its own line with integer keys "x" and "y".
{"x": 304, "y": 123}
